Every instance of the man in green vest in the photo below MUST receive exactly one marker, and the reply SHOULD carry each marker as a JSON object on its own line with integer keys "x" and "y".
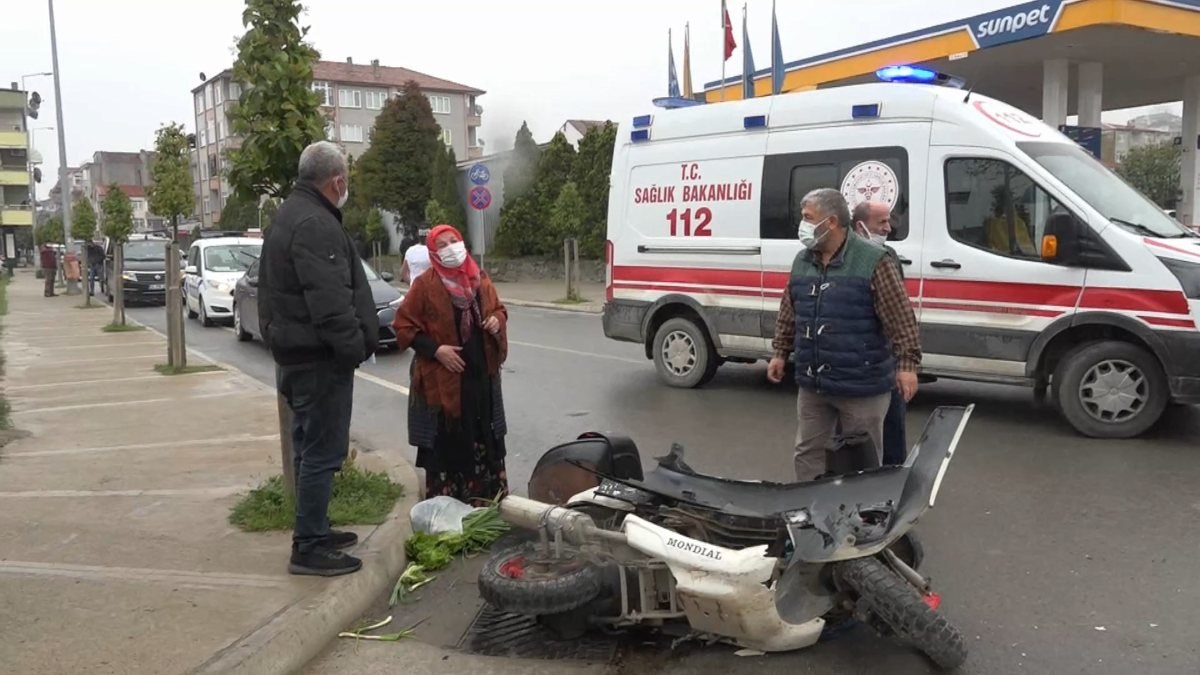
{"x": 846, "y": 319}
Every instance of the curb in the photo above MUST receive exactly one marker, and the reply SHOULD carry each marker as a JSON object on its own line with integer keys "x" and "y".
{"x": 301, "y": 631}
{"x": 578, "y": 309}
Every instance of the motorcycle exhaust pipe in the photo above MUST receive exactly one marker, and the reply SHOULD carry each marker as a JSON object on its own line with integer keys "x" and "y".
{"x": 528, "y": 514}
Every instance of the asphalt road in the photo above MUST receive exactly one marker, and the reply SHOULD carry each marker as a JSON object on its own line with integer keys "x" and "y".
{"x": 1053, "y": 553}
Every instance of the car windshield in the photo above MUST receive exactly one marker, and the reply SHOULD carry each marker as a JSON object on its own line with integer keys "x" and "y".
{"x": 230, "y": 258}
{"x": 1104, "y": 190}
{"x": 146, "y": 250}
{"x": 372, "y": 275}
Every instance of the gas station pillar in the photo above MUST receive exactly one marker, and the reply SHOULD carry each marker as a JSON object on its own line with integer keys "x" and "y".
{"x": 1091, "y": 93}
{"x": 1055, "y": 79}
{"x": 1189, "y": 170}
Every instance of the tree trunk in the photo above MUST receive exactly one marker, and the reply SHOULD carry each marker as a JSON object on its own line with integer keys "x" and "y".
{"x": 286, "y": 451}
{"x": 119, "y": 289}
{"x": 176, "y": 344}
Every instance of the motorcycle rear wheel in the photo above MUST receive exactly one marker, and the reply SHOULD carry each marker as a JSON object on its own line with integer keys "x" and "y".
{"x": 524, "y": 580}
{"x": 901, "y": 607}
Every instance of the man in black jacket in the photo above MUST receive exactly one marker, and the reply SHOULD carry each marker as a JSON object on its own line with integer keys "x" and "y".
{"x": 318, "y": 318}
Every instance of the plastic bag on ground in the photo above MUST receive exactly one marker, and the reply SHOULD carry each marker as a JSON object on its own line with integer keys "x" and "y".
{"x": 439, "y": 514}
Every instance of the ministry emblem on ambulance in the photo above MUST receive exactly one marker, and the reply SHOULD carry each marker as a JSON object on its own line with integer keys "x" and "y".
{"x": 871, "y": 181}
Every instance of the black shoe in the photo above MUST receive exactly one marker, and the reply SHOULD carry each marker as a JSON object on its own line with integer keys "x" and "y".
{"x": 338, "y": 539}
{"x": 323, "y": 561}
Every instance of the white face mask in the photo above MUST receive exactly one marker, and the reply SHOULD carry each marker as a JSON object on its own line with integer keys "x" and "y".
{"x": 807, "y": 232}
{"x": 454, "y": 255}
{"x": 345, "y": 195}
{"x": 877, "y": 239}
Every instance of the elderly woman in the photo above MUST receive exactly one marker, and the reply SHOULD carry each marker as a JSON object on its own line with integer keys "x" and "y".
{"x": 458, "y": 329}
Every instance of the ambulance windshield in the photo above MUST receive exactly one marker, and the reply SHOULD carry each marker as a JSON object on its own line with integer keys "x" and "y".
{"x": 1105, "y": 191}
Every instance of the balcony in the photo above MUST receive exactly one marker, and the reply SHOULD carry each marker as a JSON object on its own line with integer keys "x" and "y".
{"x": 13, "y": 139}
{"x": 475, "y": 152}
{"x": 474, "y": 121}
{"x": 16, "y": 215}
{"x": 13, "y": 176}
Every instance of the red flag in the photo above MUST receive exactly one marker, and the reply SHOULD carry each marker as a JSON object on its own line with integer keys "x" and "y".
{"x": 730, "y": 44}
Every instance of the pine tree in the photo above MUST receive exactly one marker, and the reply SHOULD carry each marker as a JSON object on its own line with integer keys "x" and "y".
{"x": 446, "y": 193}
{"x": 553, "y": 172}
{"x": 396, "y": 173}
{"x": 593, "y": 166}
{"x": 519, "y": 216}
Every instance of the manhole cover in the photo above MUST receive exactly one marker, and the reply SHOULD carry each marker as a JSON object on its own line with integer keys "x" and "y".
{"x": 497, "y": 633}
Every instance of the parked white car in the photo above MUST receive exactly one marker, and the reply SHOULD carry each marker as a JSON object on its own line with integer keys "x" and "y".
{"x": 213, "y": 269}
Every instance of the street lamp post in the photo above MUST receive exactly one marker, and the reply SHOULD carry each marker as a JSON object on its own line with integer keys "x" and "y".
{"x": 64, "y": 190}
{"x": 29, "y": 160}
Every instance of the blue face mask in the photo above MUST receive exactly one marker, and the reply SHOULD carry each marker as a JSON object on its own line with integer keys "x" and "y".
{"x": 810, "y": 238}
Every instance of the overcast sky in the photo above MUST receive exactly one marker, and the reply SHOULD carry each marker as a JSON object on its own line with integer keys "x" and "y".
{"x": 128, "y": 65}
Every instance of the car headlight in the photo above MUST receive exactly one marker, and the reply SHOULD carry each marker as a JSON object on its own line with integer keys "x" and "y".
{"x": 223, "y": 287}
{"x": 128, "y": 276}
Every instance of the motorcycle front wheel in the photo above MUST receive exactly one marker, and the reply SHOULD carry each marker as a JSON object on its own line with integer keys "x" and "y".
{"x": 525, "y": 580}
{"x": 901, "y": 607}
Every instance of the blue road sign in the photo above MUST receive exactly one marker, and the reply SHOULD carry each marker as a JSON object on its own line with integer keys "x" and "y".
{"x": 479, "y": 174}
{"x": 480, "y": 197}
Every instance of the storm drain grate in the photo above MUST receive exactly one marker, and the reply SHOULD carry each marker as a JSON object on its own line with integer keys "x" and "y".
{"x": 497, "y": 633}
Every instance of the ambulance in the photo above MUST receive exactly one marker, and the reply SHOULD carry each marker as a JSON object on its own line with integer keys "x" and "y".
{"x": 1027, "y": 261}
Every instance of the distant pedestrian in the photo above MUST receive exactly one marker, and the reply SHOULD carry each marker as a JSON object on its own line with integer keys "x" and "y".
{"x": 416, "y": 261}
{"x": 458, "y": 328}
{"x": 843, "y": 315}
{"x": 95, "y": 265}
{"x": 318, "y": 318}
{"x": 873, "y": 221}
{"x": 49, "y": 260}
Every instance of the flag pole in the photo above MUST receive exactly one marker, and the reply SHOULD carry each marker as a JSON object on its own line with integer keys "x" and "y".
{"x": 723, "y": 29}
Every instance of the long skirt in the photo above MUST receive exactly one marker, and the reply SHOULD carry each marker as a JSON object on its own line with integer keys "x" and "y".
{"x": 478, "y": 486}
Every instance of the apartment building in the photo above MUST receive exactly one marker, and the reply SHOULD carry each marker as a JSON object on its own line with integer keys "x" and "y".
{"x": 16, "y": 201}
{"x": 351, "y": 95}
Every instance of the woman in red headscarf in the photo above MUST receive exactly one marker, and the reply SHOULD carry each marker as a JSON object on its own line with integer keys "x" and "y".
{"x": 458, "y": 329}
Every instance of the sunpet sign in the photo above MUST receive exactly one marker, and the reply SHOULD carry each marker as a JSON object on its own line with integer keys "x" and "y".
{"x": 1025, "y": 21}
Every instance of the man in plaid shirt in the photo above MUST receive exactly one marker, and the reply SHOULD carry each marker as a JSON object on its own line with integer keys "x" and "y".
{"x": 846, "y": 318}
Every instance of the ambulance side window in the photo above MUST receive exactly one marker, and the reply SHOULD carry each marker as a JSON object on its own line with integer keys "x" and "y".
{"x": 863, "y": 173}
{"x": 992, "y": 205}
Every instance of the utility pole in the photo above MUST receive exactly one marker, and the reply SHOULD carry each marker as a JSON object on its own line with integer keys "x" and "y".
{"x": 64, "y": 189}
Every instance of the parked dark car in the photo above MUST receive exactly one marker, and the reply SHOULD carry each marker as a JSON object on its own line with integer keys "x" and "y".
{"x": 245, "y": 304}
{"x": 144, "y": 269}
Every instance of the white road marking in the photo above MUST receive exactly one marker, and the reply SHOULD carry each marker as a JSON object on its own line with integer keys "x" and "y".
{"x": 387, "y": 384}
{"x": 76, "y": 383}
{"x": 141, "y": 575}
{"x": 576, "y": 352}
{"x": 231, "y": 440}
{"x": 226, "y": 491}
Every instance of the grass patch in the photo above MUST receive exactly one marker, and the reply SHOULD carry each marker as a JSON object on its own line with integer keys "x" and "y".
{"x": 573, "y": 299}
{"x": 5, "y": 411}
{"x": 169, "y": 370}
{"x": 122, "y": 328}
{"x": 360, "y": 497}
{"x": 3, "y": 295}
{"x": 93, "y": 306}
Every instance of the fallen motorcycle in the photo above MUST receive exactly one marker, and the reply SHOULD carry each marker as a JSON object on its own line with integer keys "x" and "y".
{"x": 765, "y": 566}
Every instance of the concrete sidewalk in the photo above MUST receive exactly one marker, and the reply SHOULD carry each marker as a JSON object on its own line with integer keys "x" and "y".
{"x": 550, "y": 295}
{"x": 117, "y": 553}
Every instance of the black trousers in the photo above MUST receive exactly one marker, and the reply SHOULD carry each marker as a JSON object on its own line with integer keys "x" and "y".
{"x": 895, "y": 444}
{"x": 321, "y": 397}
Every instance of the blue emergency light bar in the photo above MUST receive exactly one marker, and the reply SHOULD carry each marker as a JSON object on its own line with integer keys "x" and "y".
{"x": 639, "y": 135}
{"x": 642, "y": 121}
{"x": 754, "y": 121}
{"x": 918, "y": 75}
{"x": 865, "y": 110}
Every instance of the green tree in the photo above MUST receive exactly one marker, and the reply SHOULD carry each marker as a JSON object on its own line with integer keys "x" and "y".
{"x": 519, "y": 215}
{"x": 374, "y": 231}
{"x": 1154, "y": 170}
{"x": 278, "y": 114}
{"x": 83, "y": 221}
{"x": 592, "y": 168}
{"x": 522, "y": 164}
{"x": 568, "y": 214}
{"x": 51, "y": 231}
{"x": 239, "y": 214}
{"x": 396, "y": 172}
{"x": 172, "y": 198}
{"x": 117, "y": 225}
{"x": 553, "y": 172}
{"x": 445, "y": 190}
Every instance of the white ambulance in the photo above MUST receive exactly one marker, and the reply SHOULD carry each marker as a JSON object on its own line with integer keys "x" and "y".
{"x": 1027, "y": 261}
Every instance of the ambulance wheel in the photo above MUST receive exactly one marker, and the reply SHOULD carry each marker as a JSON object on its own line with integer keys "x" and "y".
{"x": 1110, "y": 389}
{"x": 683, "y": 354}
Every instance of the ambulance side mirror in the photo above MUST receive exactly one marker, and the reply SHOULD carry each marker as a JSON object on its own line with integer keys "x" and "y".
{"x": 1062, "y": 240}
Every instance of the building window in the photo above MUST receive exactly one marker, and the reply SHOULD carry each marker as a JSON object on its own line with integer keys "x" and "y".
{"x": 992, "y": 205}
{"x": 218, "y": 93}
{"x": 235, "y": 91}
{"x": 473, "y": 137}
{"x": 324, "y": 92}
{"x": 440, "y": 104}
{"x": 199, "y": 102}
{"x": 206, "y": 207}
{"x": 329, "y": 129}
{"x": 212, "y": 135}
{"x": 447, "y": 137}
{"x": 203, "y": 171}
{"x": 352, "y": 133}
{"x": 349, "y": 98}
{"x": 376, "y": 99}
{"x": 203, "y": 137}
{"x": 220, "y": 129}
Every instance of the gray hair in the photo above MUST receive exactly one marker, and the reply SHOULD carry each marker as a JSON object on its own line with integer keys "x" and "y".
{"x": 321, "y": 162}
{"x": 861, "y": 212}
{"x": 828, "y": 202}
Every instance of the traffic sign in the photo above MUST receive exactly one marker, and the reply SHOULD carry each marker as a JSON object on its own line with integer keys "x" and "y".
{"x": 479, "y": 174}
{"x": 480, "y": 198}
